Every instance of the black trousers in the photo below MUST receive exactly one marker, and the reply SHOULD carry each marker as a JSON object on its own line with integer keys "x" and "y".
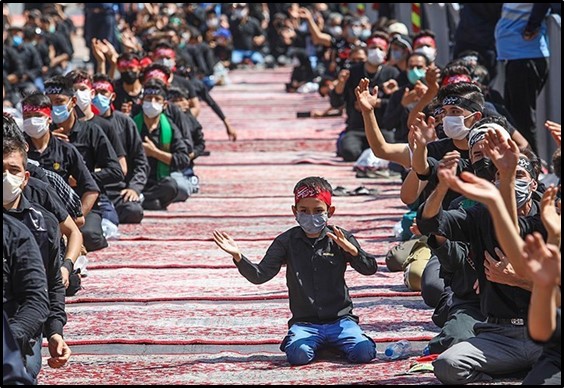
{"x": 524, "y": 80}
{"x": 164, "y": 190}
{"x": 92, "y": 233}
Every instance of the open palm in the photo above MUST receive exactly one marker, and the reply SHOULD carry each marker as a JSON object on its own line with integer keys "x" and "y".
{"x": 543, "y": 260}
{"x": 366, "y": 100}
{"x": 471, "y": 186}
{"x": 226, "y": 242}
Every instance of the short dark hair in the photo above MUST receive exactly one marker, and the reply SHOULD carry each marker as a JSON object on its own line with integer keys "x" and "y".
{"x": 314, "y": 182}
{"x": 59, "y": 85}
{"x": 467, "y": 90}
{"x": 495, "y": 119}
{"x": 77, "y": 76}
{"x": 38, "y": 100}
{"x": 101, "y": 77}
{"x": 11, "y": 145}
{"x": 11, "y": 130}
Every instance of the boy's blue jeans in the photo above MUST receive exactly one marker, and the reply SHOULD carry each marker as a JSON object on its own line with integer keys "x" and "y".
{"x": 305, "y": 339}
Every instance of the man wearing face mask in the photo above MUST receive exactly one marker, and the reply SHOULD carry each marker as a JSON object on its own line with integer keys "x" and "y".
{"x": 248, "y": 36}
{"x": 424, "y": 43}
{"x": 45, "y": 229}
{"x": 129, "y": 86}
{"x": 501, "y": 345}
{"x": 163, "y": 146}
{"x": 92, "y": 105}
{"x": 94, "y": 146}
{"x": 125, "y": 195}
{"x": 354, "y": 141}
{"x": 405, "y": 98}
{"x": 316, "y": 256}
{"x": 400, "y": 49}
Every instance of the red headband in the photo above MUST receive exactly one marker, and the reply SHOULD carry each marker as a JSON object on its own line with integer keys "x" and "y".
{"x": 425, "y": 41}
{"x": 156, "y": 73}
{"x": 103, "y": 85}
{"x": 309, "y": 192}
{"x": 456, "y": 78}
{"x": 131, "y": 63}
{"x": 377, "y": 41}
{"x": 32, "y": 108}
{"x": 165, "y": 52}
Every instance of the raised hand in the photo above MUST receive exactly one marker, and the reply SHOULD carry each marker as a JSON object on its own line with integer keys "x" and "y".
{"x": 555, "y": 131}
{"x": 366, "y": 100}
{"x": 341, "y": 240}
{"x": 226, "y": 243}
{"x": 550, "y": 217}
{"x": 543, "y": 261}
{"x": 503, "y": 152}
{"x": 471, "y": 186}
{"x": 448, "y": 166}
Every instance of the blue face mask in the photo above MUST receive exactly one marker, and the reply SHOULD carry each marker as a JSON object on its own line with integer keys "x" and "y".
{"x": 414, "y": 75}
{"x": 18, "y": 40}
{"x": 312, "y": 223}
{"x": 102, "y": 103}
{"x": 60, "y": 113}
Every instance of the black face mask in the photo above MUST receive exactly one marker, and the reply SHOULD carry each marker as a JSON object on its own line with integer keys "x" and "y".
{"x": 484, "y": 168}
{"x": 129, "y": 77}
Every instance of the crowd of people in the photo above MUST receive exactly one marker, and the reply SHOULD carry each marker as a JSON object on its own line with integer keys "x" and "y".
{"x": 91, "y": 145}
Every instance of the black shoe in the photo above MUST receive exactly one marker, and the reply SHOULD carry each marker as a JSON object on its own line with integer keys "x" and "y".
{"x": 154, "y": 204}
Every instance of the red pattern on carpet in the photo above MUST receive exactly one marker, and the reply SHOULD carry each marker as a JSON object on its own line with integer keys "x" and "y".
{"x": 231, "y": 323}
{"x": 192, "y": 254}
{"x": 226, "y": 368}
{"x": 131, "y": 284}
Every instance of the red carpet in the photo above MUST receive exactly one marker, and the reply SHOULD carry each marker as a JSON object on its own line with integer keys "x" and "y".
{"x": 165, "y": 283}
{"x": 131, "y": 284}
{"x": 226, "y": 368}
{"x": 231, "y": 323}
{"x": 191, "y": 254}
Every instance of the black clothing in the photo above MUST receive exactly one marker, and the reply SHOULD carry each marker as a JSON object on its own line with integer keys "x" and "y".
{"x": 348, "y": 98}
{"x": 42, "y": 193}
{"x": 137, "y": 163}
{"x": 99, "y": 155}
{"x": 547, "y": 370}
{"x": 243, "y": 33}
{"x": 25, "y": 298}
{"x": 178, "y": 149}
{"x": 475, "y": 227}
{"x": 122, "y": 97}
{"x": 45, "y": 229}
{"x": 111, "y": 133}
{"x": 315, "y": 274}
{"x": 64, "y": 159}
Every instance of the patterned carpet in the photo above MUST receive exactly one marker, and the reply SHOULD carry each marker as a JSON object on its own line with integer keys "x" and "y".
{"x": 164, "y": 283}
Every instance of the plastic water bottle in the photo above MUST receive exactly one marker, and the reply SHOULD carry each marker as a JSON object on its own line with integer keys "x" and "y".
{"x": 398, "y": 349}
{"x": 109, "y": 229}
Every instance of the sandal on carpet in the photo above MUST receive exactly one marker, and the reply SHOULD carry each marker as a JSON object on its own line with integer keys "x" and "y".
{"x": 340, "y": 191}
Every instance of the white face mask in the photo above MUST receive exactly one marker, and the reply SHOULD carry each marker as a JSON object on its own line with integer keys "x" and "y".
{"x": 83, "y": 99}
{"x": 12, "y": 187}
{"x": 152, "y": 109}
{"x": 429, "y": 52}
{"x": 36, "y": 127}
{"x": 454, "y": 127}
{"x": 376, "y": 56}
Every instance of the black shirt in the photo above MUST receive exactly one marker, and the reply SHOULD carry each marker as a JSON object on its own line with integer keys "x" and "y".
{"x": 65, "y": 160}
{"x": 122, "y": 97}
{"x": 99, "y": 155}
{"x": 45, "y": 229}
{"x": 42, "y": 193}
{"x": 137, "y": 163}
{"x": 315, "y": 274}
{"x": 475, "y": 227}
{"x": 111, "y": 133}
{"x": 348, "y": 98}
{"x": 25, "y": 298}
{"x": 243, "y": 33}
{"x": 178, "y": 149}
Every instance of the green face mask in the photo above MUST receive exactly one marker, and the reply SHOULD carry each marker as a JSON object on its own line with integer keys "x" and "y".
{"x": 414, "y": 75}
